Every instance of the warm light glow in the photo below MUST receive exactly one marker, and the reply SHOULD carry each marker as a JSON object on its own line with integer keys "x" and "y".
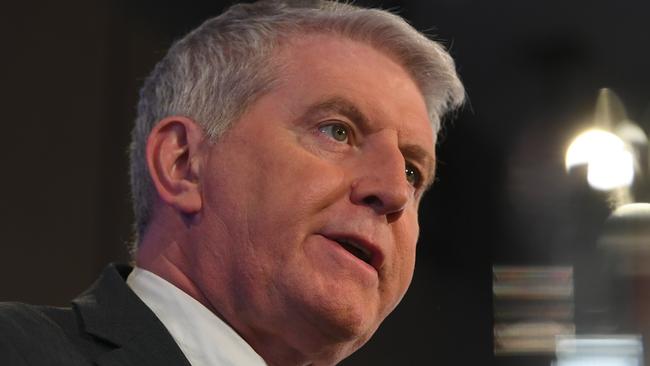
{"x": 631, "y": 133}
{"x": 589, "y": 145}
{"x": 612, "y": 170}
{"x": 609, "y": 164}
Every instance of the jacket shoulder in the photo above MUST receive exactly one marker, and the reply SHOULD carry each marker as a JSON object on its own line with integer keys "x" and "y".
{"x": 36, "y": 335}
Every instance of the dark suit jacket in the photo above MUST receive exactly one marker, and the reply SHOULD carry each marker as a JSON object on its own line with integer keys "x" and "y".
{"x": 106, "y": 325}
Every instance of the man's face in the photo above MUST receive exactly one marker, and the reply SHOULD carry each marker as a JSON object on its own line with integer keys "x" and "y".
{"x": 309, "y": 218}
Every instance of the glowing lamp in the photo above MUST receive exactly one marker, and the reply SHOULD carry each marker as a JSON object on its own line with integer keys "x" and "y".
{"x": 610, "y": 164}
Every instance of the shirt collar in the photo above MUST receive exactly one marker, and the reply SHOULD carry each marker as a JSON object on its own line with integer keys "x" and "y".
{"x": 203, "y": 337}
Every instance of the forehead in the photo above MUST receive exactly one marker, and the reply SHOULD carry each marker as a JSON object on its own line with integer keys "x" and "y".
{"x": 322, "y": 67}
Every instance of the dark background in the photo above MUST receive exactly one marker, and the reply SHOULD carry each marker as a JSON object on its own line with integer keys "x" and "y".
{"x": 69, "y": 77}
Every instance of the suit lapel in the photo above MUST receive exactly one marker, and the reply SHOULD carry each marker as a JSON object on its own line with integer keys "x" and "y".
{"x": 112, "y": 312}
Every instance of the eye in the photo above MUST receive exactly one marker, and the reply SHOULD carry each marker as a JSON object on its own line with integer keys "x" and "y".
{"x": 337, "y": 131}
{"x": 413, "y": 175}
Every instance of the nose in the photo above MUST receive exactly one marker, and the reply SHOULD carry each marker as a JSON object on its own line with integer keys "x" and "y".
{"x": 380, "y": 178}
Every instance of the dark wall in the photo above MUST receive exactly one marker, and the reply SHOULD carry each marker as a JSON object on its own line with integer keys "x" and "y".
{"x": 70, "y": 74}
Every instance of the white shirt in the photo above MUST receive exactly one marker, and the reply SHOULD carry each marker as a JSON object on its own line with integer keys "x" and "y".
{"x": 204, "y": 338}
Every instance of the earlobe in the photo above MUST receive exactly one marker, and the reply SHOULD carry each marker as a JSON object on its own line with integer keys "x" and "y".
{"x": 174, "y": 166}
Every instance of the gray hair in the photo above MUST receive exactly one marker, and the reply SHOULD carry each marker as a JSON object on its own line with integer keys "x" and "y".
{"x": 217, "y": 71}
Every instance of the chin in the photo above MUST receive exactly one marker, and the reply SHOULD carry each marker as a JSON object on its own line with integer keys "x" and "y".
{"x": 338, "y": 351}
{"x": 347, "y": 325}
{"x": 348, "y": 328}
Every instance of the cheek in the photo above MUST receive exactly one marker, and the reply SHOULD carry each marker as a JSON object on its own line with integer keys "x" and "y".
{"x": 406, "y": 236}
{"x": 297, "y": 187}
{"x": 285, "y": 205}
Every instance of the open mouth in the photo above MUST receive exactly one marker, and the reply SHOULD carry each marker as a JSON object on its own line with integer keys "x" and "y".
{"x": 356, "y": 249}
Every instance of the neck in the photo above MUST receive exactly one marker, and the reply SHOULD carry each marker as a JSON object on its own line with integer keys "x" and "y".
{"x": 165, "y": 258}
{"x": 166, "y": 250}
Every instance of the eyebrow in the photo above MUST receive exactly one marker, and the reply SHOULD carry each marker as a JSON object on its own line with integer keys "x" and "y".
{"x": 342, "y": 106}
{"x": 348, "y": 109}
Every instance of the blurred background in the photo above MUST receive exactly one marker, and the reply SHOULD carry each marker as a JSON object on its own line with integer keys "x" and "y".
{"x": 523, "y": 259}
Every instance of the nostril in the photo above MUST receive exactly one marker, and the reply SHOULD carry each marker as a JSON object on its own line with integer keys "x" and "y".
{"x": 394, "y": 216}
{"x": 372, "y": 201}
{"x": 378, "y": 205}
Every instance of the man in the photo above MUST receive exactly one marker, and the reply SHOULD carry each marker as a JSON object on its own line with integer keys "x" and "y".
{"x": 278, "y": 160}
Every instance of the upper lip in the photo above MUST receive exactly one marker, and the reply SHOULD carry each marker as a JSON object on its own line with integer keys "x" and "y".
{"x": 376, "y": 255}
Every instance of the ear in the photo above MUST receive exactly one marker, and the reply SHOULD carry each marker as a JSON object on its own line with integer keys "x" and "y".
{"x": 174, "y": 161}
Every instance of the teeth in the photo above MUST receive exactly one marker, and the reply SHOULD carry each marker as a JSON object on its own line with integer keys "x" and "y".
{"x": 351, "y": 243}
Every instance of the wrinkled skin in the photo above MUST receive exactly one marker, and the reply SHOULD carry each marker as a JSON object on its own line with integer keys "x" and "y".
{"x": 320, "y": 157}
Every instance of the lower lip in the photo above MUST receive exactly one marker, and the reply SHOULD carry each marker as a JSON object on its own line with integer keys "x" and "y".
{"x": 348, "y": 259}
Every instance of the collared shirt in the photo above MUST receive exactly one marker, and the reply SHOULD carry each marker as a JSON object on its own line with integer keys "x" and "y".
{"x": 204, "y": 338}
